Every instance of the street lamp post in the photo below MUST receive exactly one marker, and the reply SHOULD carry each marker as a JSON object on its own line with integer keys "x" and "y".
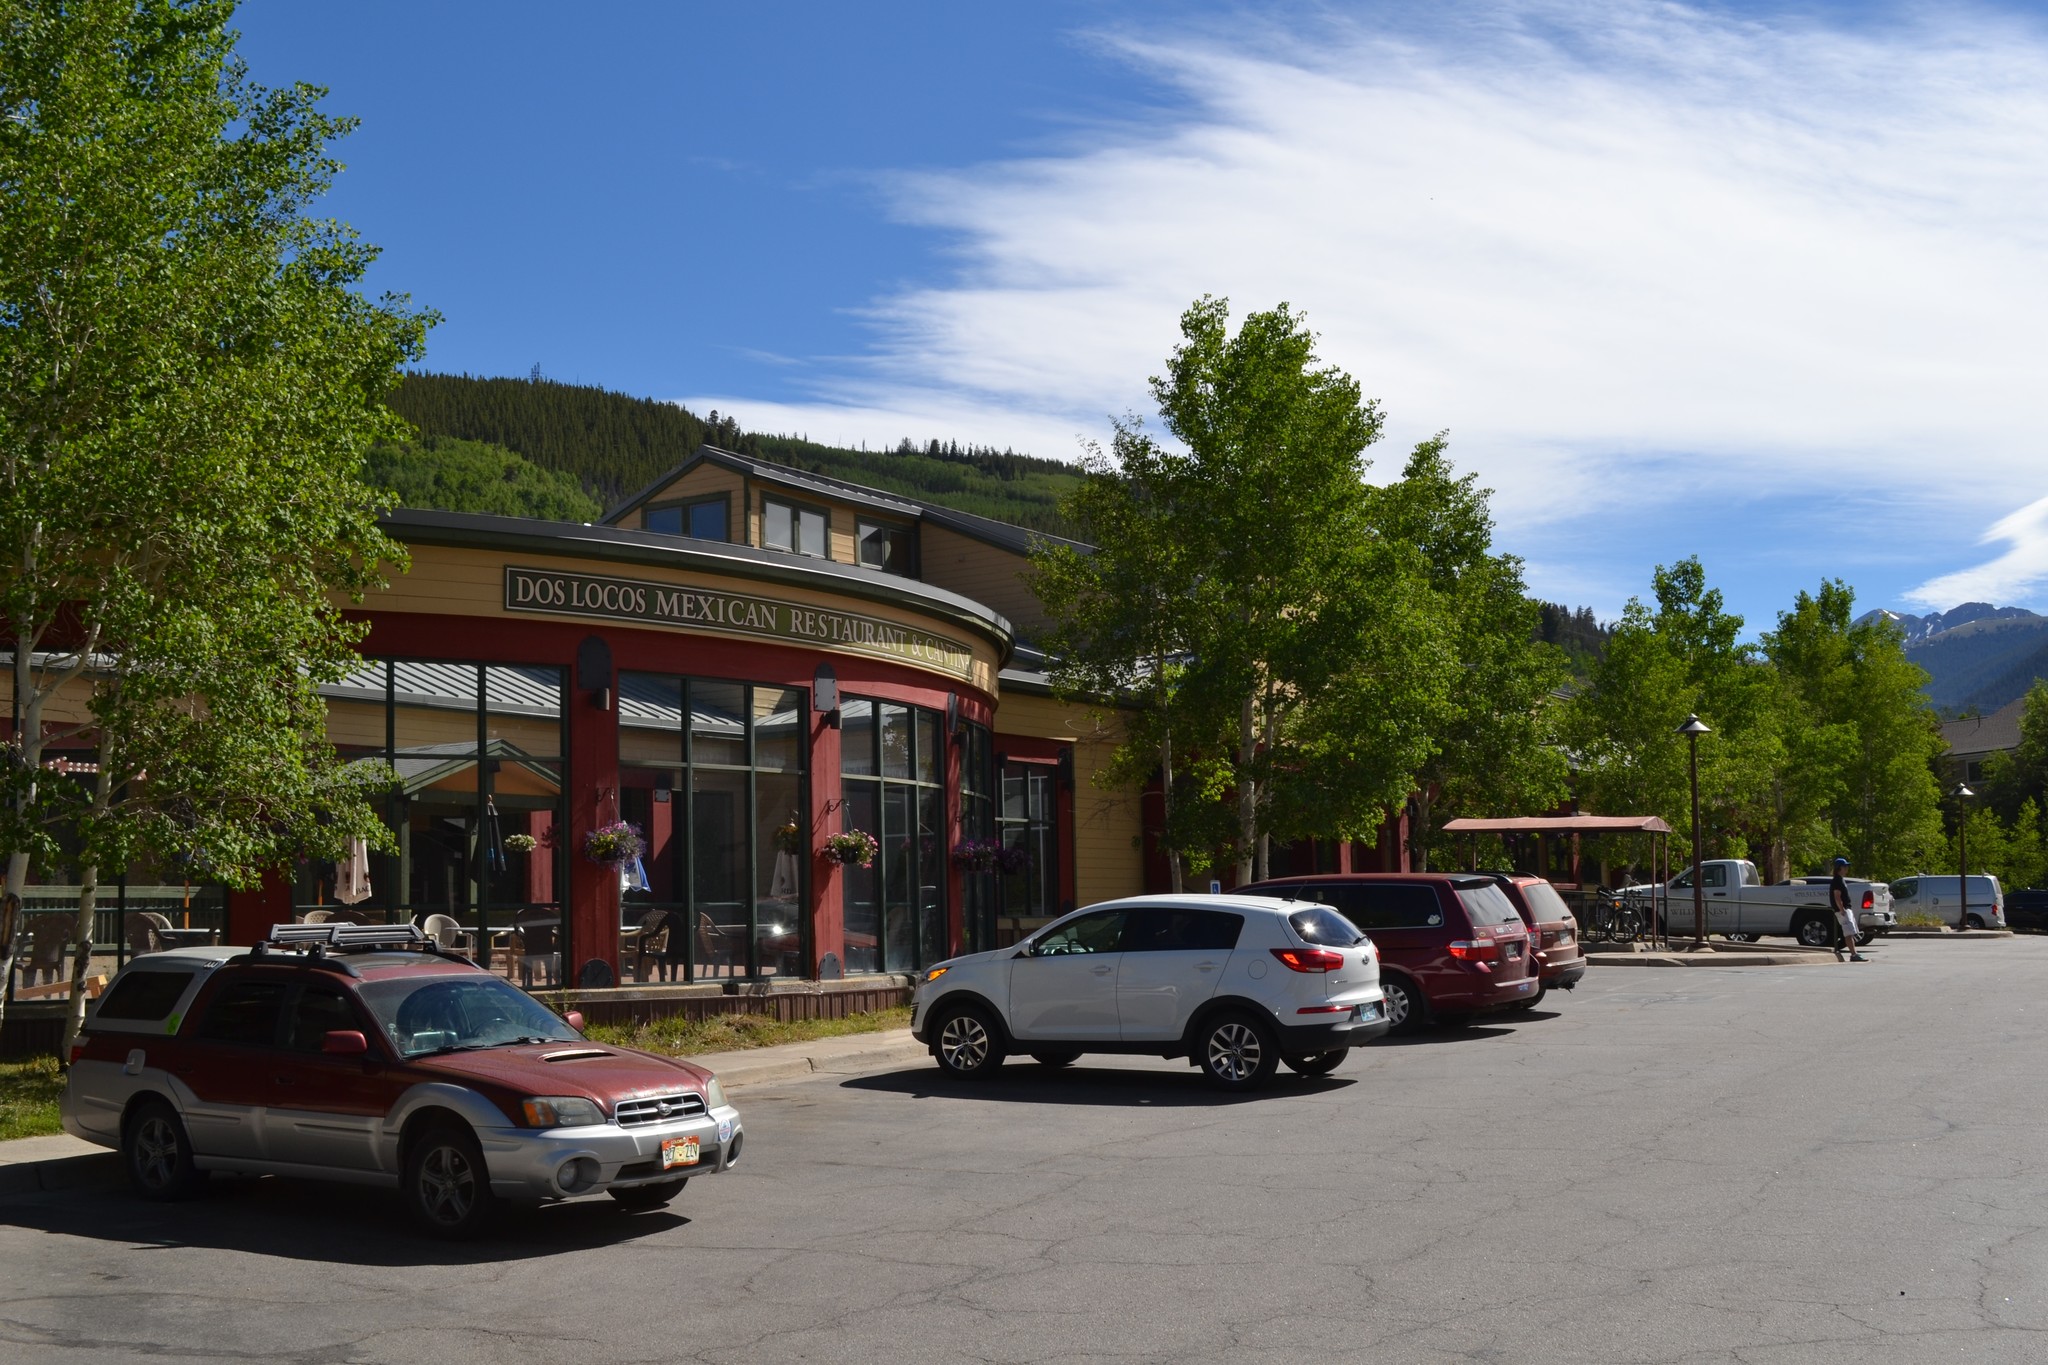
{"x": 1693, "y": 728}
{"x": 1962, "y": 794}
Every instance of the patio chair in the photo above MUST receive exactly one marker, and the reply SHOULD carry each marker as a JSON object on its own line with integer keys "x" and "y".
{"x": 650, "y": 941}
{"x": 447, "y": 931}
{"x": 316, "y": 917}
{"x": 535, "y": 947}
{"x": 718, "y": 946}
{"x": 146, "y": 932}
{"x": 48, "y": 937}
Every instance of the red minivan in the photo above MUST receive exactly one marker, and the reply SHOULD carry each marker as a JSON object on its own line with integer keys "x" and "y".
{"x": 1560, "y": 962}
{"x": 1452, "y": 945}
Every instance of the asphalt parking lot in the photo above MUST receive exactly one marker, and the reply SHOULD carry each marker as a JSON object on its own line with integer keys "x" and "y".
{"x": 1835, "y": 1163}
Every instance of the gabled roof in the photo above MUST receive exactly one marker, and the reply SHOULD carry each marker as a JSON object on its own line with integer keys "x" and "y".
{"x": 1995, "y": 733}
{"x": 1018, "y": 540}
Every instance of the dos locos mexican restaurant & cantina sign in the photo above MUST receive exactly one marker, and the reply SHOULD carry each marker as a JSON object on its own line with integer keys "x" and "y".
{"x": 667, "y": 604}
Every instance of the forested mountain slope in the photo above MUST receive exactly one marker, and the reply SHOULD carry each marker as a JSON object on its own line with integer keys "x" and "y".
{"x": 614, "y": 444}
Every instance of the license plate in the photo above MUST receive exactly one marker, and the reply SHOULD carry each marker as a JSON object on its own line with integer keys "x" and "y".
{"x": 680, "y": 1151}
{"x": 1514, "y": 950}
{"x": 1367, "y": 1012}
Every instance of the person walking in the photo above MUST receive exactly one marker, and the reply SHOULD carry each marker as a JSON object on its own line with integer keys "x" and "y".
{"x": 1845, "y": 914}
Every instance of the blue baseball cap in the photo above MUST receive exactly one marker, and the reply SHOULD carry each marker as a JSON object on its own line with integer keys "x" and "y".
{"x": 1841, "y": 862}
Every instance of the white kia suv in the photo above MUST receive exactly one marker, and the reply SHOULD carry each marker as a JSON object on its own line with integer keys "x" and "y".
{"x": 1235, "y": 984}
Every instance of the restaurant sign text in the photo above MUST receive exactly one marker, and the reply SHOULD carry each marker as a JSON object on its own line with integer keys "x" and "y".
{"x": 631, "y": 599}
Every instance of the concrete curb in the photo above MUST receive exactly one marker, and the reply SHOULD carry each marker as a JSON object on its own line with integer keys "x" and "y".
{"x": 826, "y": 1056}
{"x": 1962, "y": 934}
{"x": 1715, "y": 959}
{"x": 60, "y": 1162}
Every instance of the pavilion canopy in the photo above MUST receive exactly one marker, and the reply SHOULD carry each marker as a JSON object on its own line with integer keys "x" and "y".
{"x": 1562, "y": 824}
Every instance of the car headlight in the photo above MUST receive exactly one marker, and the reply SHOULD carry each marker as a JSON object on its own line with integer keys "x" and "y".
{"x": 560, "y": 1111}
{"x": 935, "y": 973}
{"x": 714, "y": 1093}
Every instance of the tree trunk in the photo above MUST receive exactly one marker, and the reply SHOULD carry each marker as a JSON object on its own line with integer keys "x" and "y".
{"x": 88, "y": 895}
{"x": 1418, "y": 833}
{"x": 1173, "y": 863}
{"x": 28, "y": 712}
{"x": 1247, "y": 789}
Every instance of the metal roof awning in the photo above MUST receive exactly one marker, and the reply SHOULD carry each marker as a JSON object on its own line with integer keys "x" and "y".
{"x": 1561, "y": 824}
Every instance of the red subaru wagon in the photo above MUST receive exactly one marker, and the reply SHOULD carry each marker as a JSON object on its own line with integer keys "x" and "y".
{"x": 1452, "y": 945}
{"x": 370, "y": 1055}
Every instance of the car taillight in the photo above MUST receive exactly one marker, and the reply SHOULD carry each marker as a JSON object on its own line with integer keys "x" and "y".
{"x": 1868, "y": 900}
{"x": 77, "y": 1051}
{"x": 1466, "y": 950}
{"x": 1309, "y": 959}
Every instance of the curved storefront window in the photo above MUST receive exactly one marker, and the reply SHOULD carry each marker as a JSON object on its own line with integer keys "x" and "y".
{"x": 712, "y": 772}
{"x": 892, "y": 770}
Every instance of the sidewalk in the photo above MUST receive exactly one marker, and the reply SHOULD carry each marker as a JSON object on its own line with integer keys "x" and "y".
{"x": 63, "y": 1162}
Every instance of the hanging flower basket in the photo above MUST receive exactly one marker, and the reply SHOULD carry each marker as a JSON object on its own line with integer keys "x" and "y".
{"x": 613, "y": 845}
{"x": 521, "y": 843}
{"x": 978, "y": 855}
{"x": 1015, "y": 858}
{"x": 789, "y": 836}
{"x": 855, "y": 848}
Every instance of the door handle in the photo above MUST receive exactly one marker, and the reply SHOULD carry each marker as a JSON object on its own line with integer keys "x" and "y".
{"x": 283, "y": 1080}
{"x": 1102, "y": 971}
{"x": 1205, "y": 966}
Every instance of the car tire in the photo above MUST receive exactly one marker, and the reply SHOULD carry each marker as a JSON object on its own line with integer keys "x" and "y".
{"x": 1532, "y": 1001}
{"x": 1405, "y": 1009}
{"x": 1864, "y": 940}
{"x": 1973, "y": 922}
{"x": 966, "y": 1043}
{"x": 447, "y": 1187}
{"x": 1237, "y": 1051}
{"x": 1741, "y": 938}
{"x": 1055, "y": 1059}
{"x": 1316, "y": 1063}
{"x": 158, "y": 1154}
{"x": 1816, "y": 931}
{"x": 641, "y": 1198}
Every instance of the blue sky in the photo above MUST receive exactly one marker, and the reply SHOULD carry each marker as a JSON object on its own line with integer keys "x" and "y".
{"x": 1762, "y": 284}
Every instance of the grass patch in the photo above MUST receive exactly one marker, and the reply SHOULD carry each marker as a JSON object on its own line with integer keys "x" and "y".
{"x": 680, "y": 1037}
{"x": 1921, "y": 919}
{"x": 28, "y": 1098}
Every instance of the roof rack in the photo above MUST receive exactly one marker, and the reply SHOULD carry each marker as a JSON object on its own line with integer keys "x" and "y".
{"x": 322, "y": 941}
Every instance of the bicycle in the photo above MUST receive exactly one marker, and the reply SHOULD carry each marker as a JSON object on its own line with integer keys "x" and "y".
{"x": 1613, "y": 916}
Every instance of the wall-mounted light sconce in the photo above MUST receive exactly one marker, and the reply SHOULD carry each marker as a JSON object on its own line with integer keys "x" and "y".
{"x": 594, "y": 671}
{"x": 825, "y": 694}
{"x": 953, "y": 714}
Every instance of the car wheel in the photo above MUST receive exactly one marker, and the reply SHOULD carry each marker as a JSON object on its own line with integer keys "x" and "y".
{"x": 1055, "y": 1059}
{"x": 1532, "y": 1001}
{"x": 1863, "y": 940}
{"x": 1316, "y": 1063}
{"x": 447, "y": 1188}
{"x": 1973, "y": 923}
{"x": 1404, "y": 1004}
{"x": 1238, "y": 1051}
{"x": 158, "y": 1154}
{"x": 640, "y": 1198}
{"x": 1816, "y": 932}
{"x": 966, "y": 1045}
{"x": 1742, "y": 938}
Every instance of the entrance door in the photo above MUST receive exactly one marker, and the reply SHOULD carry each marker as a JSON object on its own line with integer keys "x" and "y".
{"x": 1067, "y": 987}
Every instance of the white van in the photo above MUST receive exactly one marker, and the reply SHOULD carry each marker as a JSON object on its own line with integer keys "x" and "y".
{"x": 1936, "y": 895}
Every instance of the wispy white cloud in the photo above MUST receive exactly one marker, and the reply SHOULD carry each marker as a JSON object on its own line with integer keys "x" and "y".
{"x": 1630, "y": 254}
{"x": 2015, "y": 575}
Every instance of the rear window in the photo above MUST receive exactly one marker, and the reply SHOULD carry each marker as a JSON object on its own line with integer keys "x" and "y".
{"x": 1487, "y": 905}
{"x": 1166, "y": 930}
{"x": 1374, "y": 906}
{"x": 144, "y": 996}
{"x": 244, "y": 1012}
{"x": 1544, "y": 902}
{"x": 1324, "y": 927}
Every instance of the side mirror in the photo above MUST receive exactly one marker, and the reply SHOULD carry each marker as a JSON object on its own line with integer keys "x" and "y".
{"x": 345, "y": 1042}
{"x": 1027, "y": 949}
{"x": 575, "y": 1018}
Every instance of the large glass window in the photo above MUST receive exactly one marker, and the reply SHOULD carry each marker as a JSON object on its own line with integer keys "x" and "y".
{"x": 892, "y": 779}
{"x": 712, "y": 772}
{"x": 1027, "y": 825}
{"x": 978, "y": 826}
{"x": 703, "y": 520}
{"x": 478, "y": 753}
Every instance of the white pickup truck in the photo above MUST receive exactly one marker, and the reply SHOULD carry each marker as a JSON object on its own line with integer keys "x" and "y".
{"x": 1740, "y": 906}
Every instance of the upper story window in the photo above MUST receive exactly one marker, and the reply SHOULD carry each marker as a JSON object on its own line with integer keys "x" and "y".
{"x": 885, "y": 547}
{"x": 705, "y": 519}
{"x": 787, "y": 526}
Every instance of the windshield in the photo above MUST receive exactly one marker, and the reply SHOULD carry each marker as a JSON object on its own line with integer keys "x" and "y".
{"x": 425, "y": 1014}
{"x": 1324, "y": 928}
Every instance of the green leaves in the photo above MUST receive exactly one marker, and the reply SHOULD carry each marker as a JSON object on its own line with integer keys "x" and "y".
{"x": 188, "y": 384}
